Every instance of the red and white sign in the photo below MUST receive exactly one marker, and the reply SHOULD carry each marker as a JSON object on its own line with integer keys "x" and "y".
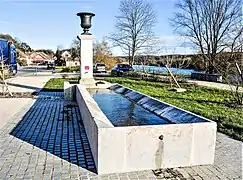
{"x": 86, "y": 67}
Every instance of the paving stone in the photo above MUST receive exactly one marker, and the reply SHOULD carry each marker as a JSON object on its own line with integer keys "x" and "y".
{"x": 184, "y": 173}
{"x": 84, "y": 178}
{"x": 124, "y": 178}
{"x": 197, "y": 178}
{"x": 48, "y": 142}
{"x": 142, "y": 177}
{"x": 190, "y": 171}
{"x": 96, "y": 178}
{"x": 28, "y": 177}
{"x": 19, "y": 178}
{"x": 3, "y": 174}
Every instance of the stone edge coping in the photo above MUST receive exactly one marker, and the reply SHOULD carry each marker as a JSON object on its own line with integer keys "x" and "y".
{"x": 98, "y": 116}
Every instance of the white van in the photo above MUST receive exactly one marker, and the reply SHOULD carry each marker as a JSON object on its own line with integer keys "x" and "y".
{"x": 99, "y": 68}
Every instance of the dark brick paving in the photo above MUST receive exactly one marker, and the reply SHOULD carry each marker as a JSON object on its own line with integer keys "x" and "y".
{"x": 50, "y": 95}
{"x": 56, "y": 126}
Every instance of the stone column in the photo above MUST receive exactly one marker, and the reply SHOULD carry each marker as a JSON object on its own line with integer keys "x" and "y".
{"x": 86, "y": 63}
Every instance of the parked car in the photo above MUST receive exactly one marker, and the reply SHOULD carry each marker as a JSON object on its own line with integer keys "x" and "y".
{"x": 51, "y": 66}
{"x": 119, "y": 69}
{"x": 99, "y": 68}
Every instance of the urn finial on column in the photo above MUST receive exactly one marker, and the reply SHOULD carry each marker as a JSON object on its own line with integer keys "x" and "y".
{"x": 85, "y": 18}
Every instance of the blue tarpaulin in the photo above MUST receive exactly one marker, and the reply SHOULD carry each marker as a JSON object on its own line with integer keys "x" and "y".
{"x": 12, "y": 54}
{"x": 3, "y": 49}
{"x": 8, "y": 55}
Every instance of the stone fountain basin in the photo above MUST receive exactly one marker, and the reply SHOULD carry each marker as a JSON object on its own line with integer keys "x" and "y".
{"x": 134, "y": 148}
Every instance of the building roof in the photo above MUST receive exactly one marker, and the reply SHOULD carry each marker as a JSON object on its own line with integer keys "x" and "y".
{"x": 37, "y": 56}
{"x": 66, "y": 53}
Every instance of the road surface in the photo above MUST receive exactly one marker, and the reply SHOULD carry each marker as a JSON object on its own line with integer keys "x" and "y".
{"x": 31, "y": 71}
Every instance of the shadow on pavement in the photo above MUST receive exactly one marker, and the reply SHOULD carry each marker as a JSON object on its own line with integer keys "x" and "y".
{"x": 54, "y": 125}
{"x": 51, "y": 90}
{"x": 23, "y": 86}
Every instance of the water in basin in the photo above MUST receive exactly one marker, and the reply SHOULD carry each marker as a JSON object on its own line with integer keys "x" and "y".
{"x": 123, "y": 112}
{"x": 161, "y": 109}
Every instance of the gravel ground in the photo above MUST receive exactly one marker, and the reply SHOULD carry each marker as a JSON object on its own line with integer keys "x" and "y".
{"x": 18, "y": 95}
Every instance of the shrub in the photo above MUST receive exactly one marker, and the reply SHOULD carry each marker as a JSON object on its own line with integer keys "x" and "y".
{"x": 70, "y": 69}
{"x": 66, "y": 69}
{"x": 22, "y": 62}
{"x": 65, "y": 76}
{"x": 133, "y": 74}
{"x": 75, "y": 68}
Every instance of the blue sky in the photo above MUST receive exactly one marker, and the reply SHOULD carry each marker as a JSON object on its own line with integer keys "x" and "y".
{"x": 49, "y": 23}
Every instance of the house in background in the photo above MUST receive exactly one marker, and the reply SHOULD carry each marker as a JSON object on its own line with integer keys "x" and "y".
{"x": 75, "y": 62}
{"x": 69, "y": 61}
{"x": 38, "y": 57}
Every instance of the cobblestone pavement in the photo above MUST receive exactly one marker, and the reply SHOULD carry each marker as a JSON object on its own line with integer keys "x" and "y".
{"x": 49, "y": 142}
{"x": 6, "y": 113}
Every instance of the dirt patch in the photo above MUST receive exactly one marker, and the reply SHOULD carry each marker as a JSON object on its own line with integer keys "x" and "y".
{"x": 18, "y": 95}
{"x": 169, "y": 173}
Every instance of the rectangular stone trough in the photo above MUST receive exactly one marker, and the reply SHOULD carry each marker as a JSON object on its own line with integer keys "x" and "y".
{"x": 187, "y": 140}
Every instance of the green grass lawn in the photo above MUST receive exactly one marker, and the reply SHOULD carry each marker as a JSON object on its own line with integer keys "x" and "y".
{"x": 58, "y": 84}
{"x": 204, "y": 101}
{"x": 207, "y": 102}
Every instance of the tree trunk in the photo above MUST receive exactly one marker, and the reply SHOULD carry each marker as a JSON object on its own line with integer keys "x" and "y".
{"x": 211, "y": 60}
{"x": 129, "y": 56}
{"x": 133, "y": 57}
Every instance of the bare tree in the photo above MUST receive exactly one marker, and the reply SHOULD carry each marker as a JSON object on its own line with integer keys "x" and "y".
{"x": 134, "y": 26}
{"x": 210, "y": 25}
{"x": 230, "y": 65}
{"x": 58, "y": 54}
{"x": 102, "y": 53}
{"x": 75, "y": 48}
{"x": 101, "y": 49}
{"x": 145, "y": 57}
